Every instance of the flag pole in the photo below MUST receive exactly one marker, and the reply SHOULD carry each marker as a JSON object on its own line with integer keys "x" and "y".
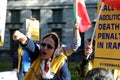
{"x": 102, "y": 5}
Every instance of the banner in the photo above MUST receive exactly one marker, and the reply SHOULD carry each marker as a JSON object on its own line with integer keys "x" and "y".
{"x": 3, "y": 9}
{"x": 33, "y": 29}
{"x": 107, "y": 38}
{"x": 80, "y": 13}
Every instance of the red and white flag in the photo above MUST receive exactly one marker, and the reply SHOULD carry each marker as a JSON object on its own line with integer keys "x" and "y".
{"x": 80, "y": 13}
{"x": 113, "y": 3}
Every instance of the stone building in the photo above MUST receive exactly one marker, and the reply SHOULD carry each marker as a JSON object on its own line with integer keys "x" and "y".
{"x": 54, "y": 15}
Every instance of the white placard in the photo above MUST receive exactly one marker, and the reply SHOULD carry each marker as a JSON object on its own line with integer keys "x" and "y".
{"x": 8, "y": 75}
{"x": 3, "y": 9}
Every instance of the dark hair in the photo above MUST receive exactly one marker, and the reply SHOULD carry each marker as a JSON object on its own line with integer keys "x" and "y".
{"x": 54, "y": 36}
{"x": 89, "y": 40}
{"x": 99, "y": 74}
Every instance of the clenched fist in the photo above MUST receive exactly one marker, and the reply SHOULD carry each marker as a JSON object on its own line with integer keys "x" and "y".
{"x": 18, "y": 36}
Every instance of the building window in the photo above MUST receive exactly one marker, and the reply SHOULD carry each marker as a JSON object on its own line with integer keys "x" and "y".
{"x": 15, "y": 16}
{"x": 57, "y": 15}
{"x": 36, "y": 14}
{"x": 58, "y": 31}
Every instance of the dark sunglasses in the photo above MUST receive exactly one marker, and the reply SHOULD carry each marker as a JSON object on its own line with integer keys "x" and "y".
{"x": 48, "y": 45}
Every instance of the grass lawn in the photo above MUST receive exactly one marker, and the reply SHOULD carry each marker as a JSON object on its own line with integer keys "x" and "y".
{"x": 7, "y": 66}
{"x": 74, "y": 75}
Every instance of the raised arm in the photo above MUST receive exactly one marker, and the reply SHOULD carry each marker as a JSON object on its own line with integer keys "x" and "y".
{"x": 18, "y": 36}
{"x": 77, "y": 38}
{"x": 27, "y": 43}
{"x": 69, "y": 49}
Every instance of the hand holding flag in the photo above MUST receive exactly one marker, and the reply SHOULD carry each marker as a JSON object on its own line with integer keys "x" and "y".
{"x": 76, "y": 23}
{"x": 80, "y": 13}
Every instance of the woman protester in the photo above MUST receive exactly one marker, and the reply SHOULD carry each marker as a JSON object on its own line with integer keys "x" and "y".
{"x": 49, "y": 60}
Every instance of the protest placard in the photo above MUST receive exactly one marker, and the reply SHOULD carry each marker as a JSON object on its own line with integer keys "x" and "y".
{"x": 8, "y": 75}
{"x": 107, "y": 38}
{"x": 3, "y": 9}
{"x": 33, "y": 29}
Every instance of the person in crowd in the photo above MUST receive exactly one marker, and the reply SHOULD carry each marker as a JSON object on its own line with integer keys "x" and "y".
{"x": 99, "y": 74}
{"x": 21, "y": 58}
{"x": 87, "y": 59}
{"x": 87, "y": 62}
{"x": 21, "y": 62}
{"x": 49, "y": 60}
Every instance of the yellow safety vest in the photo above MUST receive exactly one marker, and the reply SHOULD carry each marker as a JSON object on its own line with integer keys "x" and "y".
{"x": 34, "y": 71}
{"x": 20, "y": 53}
